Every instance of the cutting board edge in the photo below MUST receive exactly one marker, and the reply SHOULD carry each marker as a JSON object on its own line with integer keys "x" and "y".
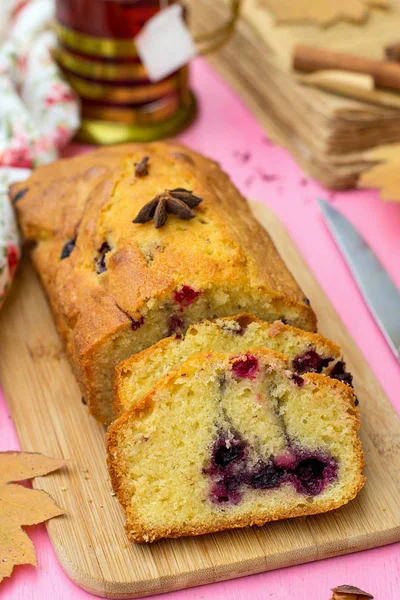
{"x": 145, "y": 588}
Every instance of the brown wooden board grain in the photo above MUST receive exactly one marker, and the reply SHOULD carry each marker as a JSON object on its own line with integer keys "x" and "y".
{"x": 90, "y": 541}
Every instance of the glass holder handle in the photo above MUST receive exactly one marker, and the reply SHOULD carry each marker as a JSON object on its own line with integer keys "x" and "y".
{"x": 216, "y": 38}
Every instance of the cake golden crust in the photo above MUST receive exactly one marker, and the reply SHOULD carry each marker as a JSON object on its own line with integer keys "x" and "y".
{"x": 92, "y": 199}
{"x": 137, "y": 532}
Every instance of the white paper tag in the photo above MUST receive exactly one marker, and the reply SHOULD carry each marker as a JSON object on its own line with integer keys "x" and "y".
{"x": 164, "y": 44}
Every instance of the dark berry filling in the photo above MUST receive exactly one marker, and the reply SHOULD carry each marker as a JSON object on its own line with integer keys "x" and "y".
{"x": 175, "y": 324}
{"x": 298, "y": 380}
{"x": 266, "y": 477}
{"x": 20, "y": 194}
{"x": 67, "y": 249}
{"x": 309, "y": 469}
{"x": 228, "y": 448}
{"x": 225, "y": 468}
{"x": 226, "y": 489}
{"x": 339, "y": 372}
{"x": 136, "y": 324}
{"x": 101, "y": 260}
{"x": 227, "y": 452}
{"x": 313, "y": 473}
{"x": 245, "y": 367}
{"x": 306, "y": 301}
{"x": 230, "y": 470}
{"x": 186, "y": 296}
{"x": 309, "y": 476}
{"x": 310, "y": 362}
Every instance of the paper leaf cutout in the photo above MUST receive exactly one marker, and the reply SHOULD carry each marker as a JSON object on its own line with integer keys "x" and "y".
{"x": 15, "y": 549}
{"x": 16, "y": 466}
{"x": 385, "y": 173}
{"x": 22, "y": 506}
{"x": 321, "y": 12}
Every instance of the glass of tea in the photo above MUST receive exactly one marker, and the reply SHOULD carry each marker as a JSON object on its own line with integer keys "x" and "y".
{"x": 97, "y": 54}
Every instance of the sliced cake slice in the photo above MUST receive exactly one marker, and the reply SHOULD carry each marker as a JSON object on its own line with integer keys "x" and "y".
{"x": 228, "y": 441}
{"x": 307, "y": 352}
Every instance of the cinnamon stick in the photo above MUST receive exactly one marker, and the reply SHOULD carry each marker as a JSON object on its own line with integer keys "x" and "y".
{"x": 309, "y": 58}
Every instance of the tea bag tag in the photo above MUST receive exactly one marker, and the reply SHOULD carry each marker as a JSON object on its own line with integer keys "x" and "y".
{"x": 164, "y": 44}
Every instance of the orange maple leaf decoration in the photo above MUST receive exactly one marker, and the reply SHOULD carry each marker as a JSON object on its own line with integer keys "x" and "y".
{"x": 22, "y": 506}
{"x": 321, "y": 12}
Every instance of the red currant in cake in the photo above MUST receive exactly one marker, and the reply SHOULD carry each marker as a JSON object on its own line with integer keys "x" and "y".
{"x": 185, "y": 296}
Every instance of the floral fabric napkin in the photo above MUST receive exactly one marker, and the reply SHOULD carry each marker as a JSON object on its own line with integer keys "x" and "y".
{"x": 39, "y": 112}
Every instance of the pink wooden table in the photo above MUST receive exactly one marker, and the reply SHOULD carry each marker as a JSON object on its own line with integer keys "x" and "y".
{"x": 226, "y": 131}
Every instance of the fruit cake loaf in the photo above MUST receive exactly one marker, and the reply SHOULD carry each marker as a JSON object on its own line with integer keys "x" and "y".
{"x": 229, "y": 441}
{"x": 308, "y": 352}
{"x": 119, "y": 281}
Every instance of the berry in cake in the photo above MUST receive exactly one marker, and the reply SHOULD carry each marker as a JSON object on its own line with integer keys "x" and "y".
{"x": 136, "y": 324}
{"x": 67, "y": 249}
{"x": 310, "y": 362}
{"x": 175, "y": 324}
{"x": 299, "y": 381}
{"x": 231, "y": 471}
{"x": 206, "y": 450}
{"x": 19, "y": 195}
{"x": 185, "y": 296}
{"x": 266, "y": 476}
{"x": 101, "y": 266}
{"x": 339, "y": 372}
{"x": 245, "y": 366}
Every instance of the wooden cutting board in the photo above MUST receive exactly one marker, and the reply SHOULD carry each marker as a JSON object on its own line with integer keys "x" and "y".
{"x": 90, "y": 541}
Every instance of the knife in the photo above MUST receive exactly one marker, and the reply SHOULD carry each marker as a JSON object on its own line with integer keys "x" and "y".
{"x": 379, "y": 292}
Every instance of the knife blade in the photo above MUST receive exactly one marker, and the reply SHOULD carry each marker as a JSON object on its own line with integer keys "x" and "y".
{"x": 378, "y": 290}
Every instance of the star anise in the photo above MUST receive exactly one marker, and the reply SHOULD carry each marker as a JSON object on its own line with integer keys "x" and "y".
{"x": 178, "y": 202}
{"x": 142, "y": 167}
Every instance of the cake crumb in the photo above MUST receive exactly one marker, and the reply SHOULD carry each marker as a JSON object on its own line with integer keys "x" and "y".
{"x": 275, "y": 328}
